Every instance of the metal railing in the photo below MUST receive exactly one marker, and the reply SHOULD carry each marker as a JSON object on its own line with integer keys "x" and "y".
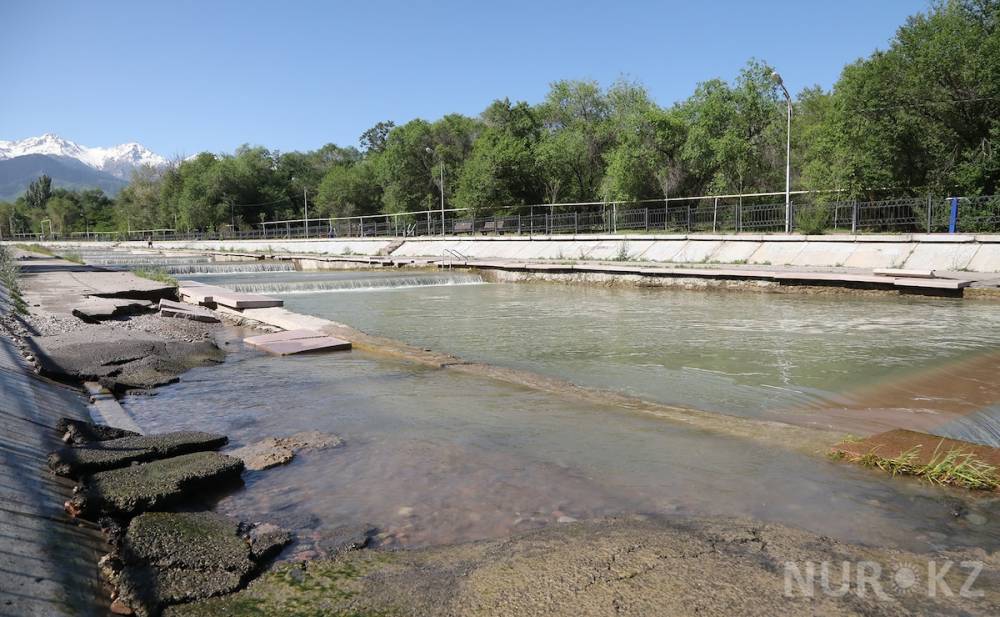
{"x": 724, "y": 214}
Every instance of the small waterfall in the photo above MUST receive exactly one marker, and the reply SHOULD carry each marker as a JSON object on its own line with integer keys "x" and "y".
{"x": 982, "y": 427}
{"x": 147, "y": 261}
{"x": 356, "y": 284}
{"x": 230, "y": 268}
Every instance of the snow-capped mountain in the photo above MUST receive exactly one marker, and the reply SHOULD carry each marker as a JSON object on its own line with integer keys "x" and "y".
{"x": 119, "y": 161}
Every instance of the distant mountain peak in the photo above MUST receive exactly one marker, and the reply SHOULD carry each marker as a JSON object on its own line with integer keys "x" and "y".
{"x": 119, "y": 161}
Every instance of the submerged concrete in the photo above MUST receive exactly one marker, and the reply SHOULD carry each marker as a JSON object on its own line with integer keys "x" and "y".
{"x": 640, "y": 566}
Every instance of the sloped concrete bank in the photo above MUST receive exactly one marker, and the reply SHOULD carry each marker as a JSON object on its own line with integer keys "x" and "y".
{"x": 948, "y": 252}
{"x": 49, "y": 565}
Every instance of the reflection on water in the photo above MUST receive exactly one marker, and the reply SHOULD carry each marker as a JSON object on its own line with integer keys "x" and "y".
{"x": 862, "y": 364}
{"x": 434, "y": 456}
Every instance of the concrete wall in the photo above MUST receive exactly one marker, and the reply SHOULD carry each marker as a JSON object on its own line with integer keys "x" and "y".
{"x": 916, "y": 251}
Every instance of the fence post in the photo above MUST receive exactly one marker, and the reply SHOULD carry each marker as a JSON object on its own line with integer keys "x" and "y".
{"x": 715, "y": 215}
{"x": 854, "y": 217}
{"x": 519, "y": 224}
{"x": 576, "y": 222}
{"x": 953, "y": 217}
{"x": 647, "y": 218}
{"x": 689, "y": 218}
{"x": 739, "y": 215}
{"x": 929, "y": 209}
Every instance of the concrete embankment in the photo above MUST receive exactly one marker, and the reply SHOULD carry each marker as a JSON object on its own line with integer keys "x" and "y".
{"x": 49, "y": 562}
{"x": 946, "y": 252}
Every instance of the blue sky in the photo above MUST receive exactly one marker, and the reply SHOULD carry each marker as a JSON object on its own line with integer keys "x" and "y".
{"x": 184, "y": 76}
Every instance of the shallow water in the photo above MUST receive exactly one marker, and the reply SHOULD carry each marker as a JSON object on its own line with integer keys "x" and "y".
{"x": 862, "y": 364}
{"x": 434, "y": 456}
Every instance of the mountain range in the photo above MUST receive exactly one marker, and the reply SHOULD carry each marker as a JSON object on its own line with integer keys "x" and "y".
{"x": 69, "y": 164}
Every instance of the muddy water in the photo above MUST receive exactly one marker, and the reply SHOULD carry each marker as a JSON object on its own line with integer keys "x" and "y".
{"x": 859, "y": 364}
{"x": 433, "y": 456}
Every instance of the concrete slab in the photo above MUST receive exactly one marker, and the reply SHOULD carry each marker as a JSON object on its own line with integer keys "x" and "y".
{"x": 92, "y": 309}
{"x": 986, "y": 259}
{"x": 925, "y": 283}
{"x": 941, "y": 256}
{"x": 823, "y": 254}
{"x": 169, "y": 308}
{"x": 871, "y": 255}
{"x": 238, "y": 300}
{"x": 697, "y": 251}
{"x": 735, "y": 251}
{"x": 923, "y": 274}
{"x": 285, "y": 335}
{"x": 777, "y": 253}
{"x": 320, "y": 343}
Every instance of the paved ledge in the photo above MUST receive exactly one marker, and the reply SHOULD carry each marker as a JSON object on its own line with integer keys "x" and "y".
{"x": 49, "y": 565}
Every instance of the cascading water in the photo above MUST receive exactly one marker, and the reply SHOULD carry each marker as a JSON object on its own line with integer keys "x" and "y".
{"x": 356, "y": 284}
{"x": 230, "y": 268}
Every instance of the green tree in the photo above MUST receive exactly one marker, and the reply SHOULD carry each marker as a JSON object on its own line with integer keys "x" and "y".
{"x": 38, "y": 193}
{"x": 501, "y": 169}
{"x": 349, "y": 191}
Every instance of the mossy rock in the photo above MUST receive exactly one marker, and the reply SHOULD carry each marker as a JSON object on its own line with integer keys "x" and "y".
{"x": 156, "y": 485}
{"x": 168, "y": 558}
{"x": 77, "y": 461}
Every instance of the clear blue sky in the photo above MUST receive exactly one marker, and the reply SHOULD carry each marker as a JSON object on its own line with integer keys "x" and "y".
{"x": 183, "y": 76}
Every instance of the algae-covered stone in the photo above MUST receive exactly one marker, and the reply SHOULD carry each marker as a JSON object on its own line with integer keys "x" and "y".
{"x": 81, "y": 431}
{"x": 266, "y": 540}
{"x": 167, "y": 558}
{"x": 110, "y": 454}
{"x": 155, "y": 485}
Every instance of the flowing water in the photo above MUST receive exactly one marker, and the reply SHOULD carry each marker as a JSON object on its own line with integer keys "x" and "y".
{"x": 861, "y": 364}
{"x": 436, "y": 456}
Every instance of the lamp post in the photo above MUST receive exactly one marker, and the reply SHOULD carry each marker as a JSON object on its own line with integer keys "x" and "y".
{"x": 788, "y": 153}
{"x": 431, "y": 151}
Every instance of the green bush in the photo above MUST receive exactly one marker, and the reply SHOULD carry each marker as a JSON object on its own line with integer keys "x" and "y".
{"x": 812, "y": 219}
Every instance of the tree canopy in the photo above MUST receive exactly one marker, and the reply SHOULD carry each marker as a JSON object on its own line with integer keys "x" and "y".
{"x": 921, "y": 116}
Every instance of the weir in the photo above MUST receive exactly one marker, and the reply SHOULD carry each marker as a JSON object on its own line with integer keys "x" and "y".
{"x": 229, "y": 268}
{"x": 355, "y": 284}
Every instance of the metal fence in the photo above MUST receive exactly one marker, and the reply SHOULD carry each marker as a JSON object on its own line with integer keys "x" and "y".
{"x": 722, "y": 215}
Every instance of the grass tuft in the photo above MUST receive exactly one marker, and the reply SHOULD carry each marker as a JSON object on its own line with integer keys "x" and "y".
{"x": 35, "y": 248}
{"x": 156, "y": 274}
{"x": 956, "y": 467}
{"x": 74, "y": 257}
{"x": 9, "y": 272}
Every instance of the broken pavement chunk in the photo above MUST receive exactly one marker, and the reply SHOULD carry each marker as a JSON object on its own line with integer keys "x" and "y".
{"x": 81, "y": 431}
{"x": 76, "y": 461}
{"x": 154, "y": 486}
{"x": 168, "y": 558}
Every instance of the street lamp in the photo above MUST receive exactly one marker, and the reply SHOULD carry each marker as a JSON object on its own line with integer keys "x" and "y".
{"x": 429, "y": 150}
{"x": 788, "y": 153}
{"x": 305, "y": 204}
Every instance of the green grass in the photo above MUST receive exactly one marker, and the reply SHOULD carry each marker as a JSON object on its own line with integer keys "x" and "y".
{"x": 74, "y": 257}
{"x": 9, "y": 271}
{"x": 955, "y": 467}
{"x": 156, "y": 274}
{"x": 35, "y": 248}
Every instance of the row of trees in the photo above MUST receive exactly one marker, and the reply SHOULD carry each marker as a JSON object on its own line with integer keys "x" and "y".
{"x": 922, "y": 116}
